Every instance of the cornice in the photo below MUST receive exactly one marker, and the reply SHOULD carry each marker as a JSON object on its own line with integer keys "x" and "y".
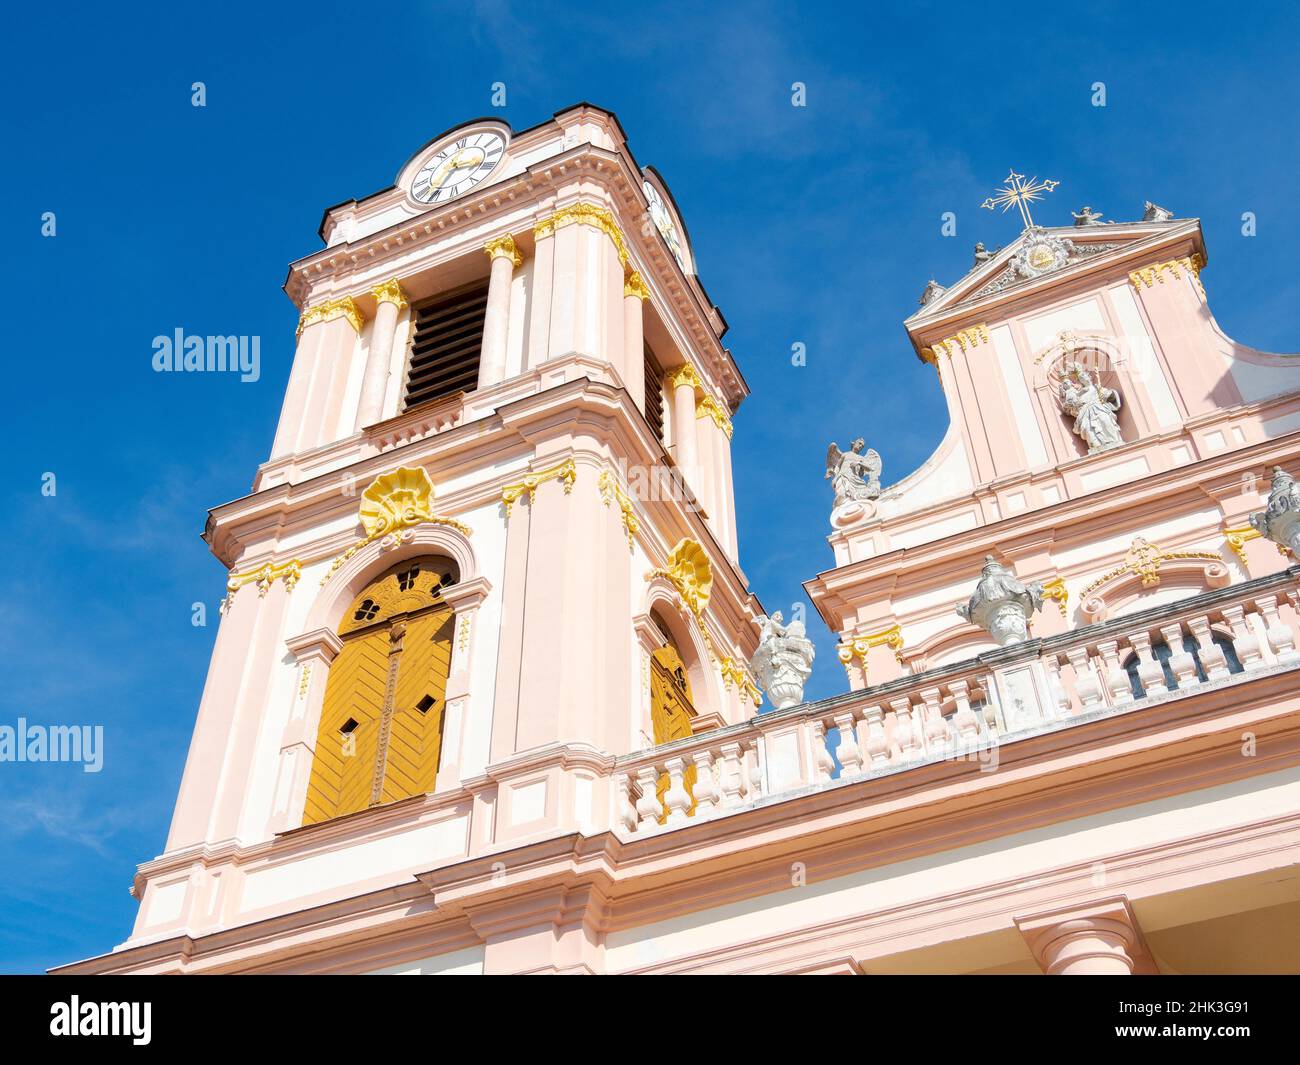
{"x": 516, "y": 424}
{"x": 929, "y": 323}
{"x": 1061, "y": 515}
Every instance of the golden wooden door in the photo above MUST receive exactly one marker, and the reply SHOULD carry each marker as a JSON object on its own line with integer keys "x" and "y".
{"x": 671, "y": 712}
{"x": 415, "y": 733}
{"x": 380, "y": 732}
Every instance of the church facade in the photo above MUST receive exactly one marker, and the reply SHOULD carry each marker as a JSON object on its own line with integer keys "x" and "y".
{"x": 486, "y": 692}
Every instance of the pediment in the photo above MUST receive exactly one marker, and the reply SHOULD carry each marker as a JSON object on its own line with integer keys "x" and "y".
{"x": 1044, "y": 255}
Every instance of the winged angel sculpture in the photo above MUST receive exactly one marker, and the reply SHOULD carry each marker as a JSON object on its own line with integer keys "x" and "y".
{"x": 854, "y": 475}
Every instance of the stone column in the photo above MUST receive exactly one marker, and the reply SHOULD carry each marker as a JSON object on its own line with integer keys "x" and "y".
{"x": 1100, "y": 939}
{"x": 310, "y": 412}
{"x": 505, "y": 258}
{"x": 635, "y": 294}
{"x": 714, "y": 441}
{"x": 684, "y": 381}
{"x": 294, "y": 406}
{"x": 389, "y": 301}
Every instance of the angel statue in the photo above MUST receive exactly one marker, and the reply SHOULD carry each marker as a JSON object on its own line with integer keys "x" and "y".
{"x": 1094, "y": 408}
{"x": 783, "y": 661}
{"x": 852, "y": 474}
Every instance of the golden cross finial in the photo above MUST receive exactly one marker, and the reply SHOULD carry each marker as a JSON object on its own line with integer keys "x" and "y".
{"x": 1016, "y": 190}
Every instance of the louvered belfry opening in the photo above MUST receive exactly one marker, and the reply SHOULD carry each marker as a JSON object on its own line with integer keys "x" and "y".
{"x": 654, "y": 394}
{"x": 445, "y": 349}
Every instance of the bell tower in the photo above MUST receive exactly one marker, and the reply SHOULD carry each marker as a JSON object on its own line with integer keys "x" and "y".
{"x": 492, "y": 552}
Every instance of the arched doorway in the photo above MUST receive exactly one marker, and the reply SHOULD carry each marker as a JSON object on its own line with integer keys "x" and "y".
{"x": 380, "y": 732}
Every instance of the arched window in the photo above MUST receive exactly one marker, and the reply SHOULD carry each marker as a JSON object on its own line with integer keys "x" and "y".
{"x": 380, "y": 732}
{"x": 671, "y": 710}
{"x": 1161, "y": 653}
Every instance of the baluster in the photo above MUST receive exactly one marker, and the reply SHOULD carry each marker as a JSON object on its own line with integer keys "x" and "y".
{"x": 988, "y": 712}
{"x": 677, "y": 800}
{"x": 1213, "y": 660}
{"x": 706, "y": 790}
{"x": 1116, "y": 677}
{"x": 1087, "y": 685}
{"x": 963, "y": 718}
{"x": 1056, "y": 683}
{"x": 823, "y": 763}
{"x": 849, "y": 755}
{"x": 938, "y": 733}
{"x": 1280, "y": 636}
{"x": 623, "y": 797}
{"x": 1150, "y": 673}
{"x": 1244, "y": 640}
{"x": 648, "y": 804}
{"x": 755, "y": 772}
{"x": 906, "y": 732}
{"x": 877, "y": 741}
{"x": 1181, "y": 662}
{"x": 731, "y": 782}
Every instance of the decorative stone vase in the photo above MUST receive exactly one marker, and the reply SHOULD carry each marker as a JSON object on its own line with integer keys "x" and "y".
{"x": 1001, "y": 604}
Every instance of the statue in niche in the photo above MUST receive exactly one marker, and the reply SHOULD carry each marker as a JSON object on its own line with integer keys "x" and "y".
{"x": 1094, "y": 408}
{"x": 853, "y": 475}
{"x": 783, "y": 662}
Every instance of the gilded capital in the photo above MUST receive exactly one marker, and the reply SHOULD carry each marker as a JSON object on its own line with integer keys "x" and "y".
{"x": 390, "y": 292}
{"x": 708, "y": 407}
{"x": 964, "y": 340}
{"x": 635, "y": 286}
{"x": 342, "y": 307}
{"x": 684, "y": 375}
{"x": 504, "y": 248}
{"x": 585, "y": 214}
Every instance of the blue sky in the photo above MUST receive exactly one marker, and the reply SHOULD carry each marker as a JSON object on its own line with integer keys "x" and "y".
{"x": 817, "y": 225}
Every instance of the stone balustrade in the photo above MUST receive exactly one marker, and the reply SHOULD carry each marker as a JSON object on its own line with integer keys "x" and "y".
{"x": 964, "y": 710}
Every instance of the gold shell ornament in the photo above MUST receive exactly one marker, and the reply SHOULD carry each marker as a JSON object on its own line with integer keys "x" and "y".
{"x": 396, "y": 500}
{"x": 689, "y": 570}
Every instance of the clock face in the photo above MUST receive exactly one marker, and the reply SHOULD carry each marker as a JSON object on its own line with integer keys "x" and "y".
{"x": 663, "y": 221}
{"x": 458, "y": 167}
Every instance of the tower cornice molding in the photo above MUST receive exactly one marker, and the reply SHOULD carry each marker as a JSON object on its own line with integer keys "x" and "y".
{"x": 528, "y": 421}
{"x": 353, "y": 268}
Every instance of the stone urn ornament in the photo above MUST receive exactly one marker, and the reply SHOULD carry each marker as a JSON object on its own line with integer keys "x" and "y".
{"x": 1002, "y": 604}
{"x": 1280, "y": 519}
{"x": 783, "y": 662}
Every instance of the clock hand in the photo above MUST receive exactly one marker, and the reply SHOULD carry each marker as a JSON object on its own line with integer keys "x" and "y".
{"x": 456, "y": 162}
